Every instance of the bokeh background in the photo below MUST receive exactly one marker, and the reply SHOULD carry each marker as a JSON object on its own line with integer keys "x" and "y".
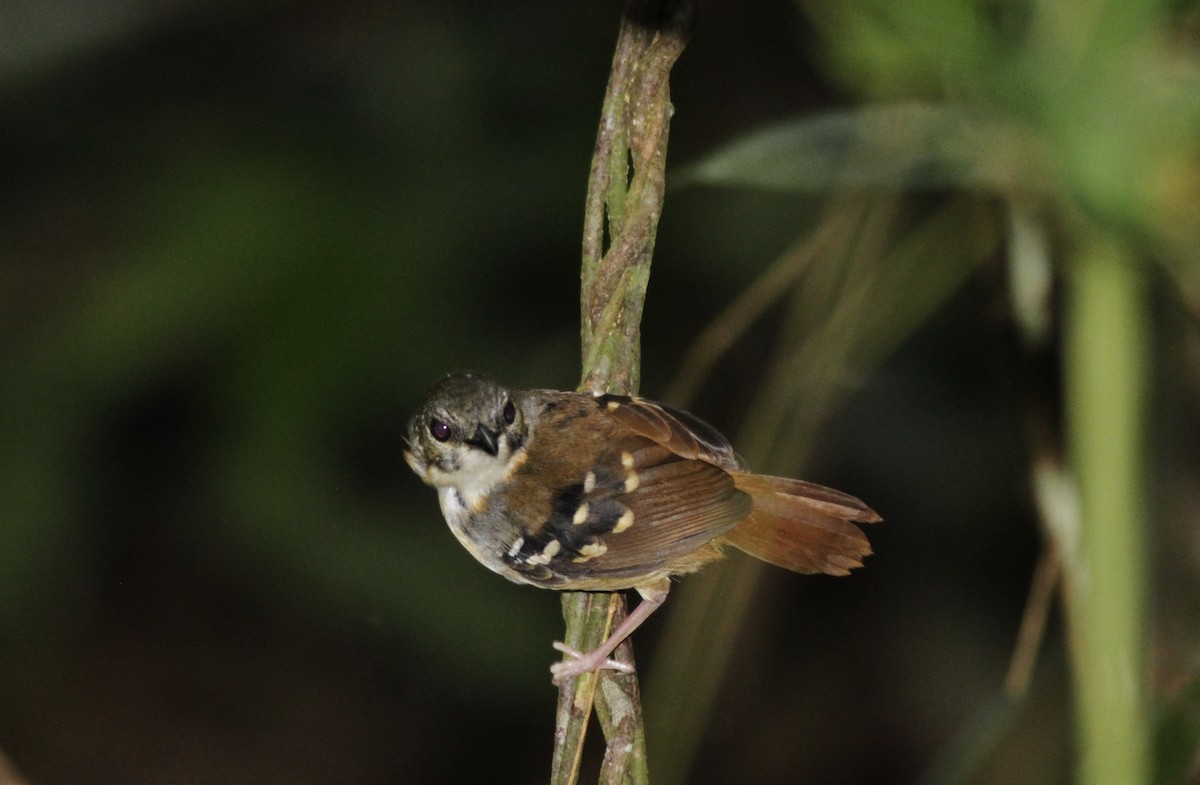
{"x": 240, "y": 239}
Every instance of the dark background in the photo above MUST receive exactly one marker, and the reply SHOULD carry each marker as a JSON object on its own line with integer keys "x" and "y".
{"x": 237, "y": 243}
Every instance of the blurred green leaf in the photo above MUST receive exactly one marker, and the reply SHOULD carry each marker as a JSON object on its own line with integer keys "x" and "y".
{"x": 901, "y": 147}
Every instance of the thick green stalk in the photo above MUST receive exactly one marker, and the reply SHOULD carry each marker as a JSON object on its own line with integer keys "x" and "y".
{"x": 1106, "y": 365}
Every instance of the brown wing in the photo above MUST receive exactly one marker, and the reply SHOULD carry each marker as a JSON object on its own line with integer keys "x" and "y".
{"x": 637, "y": 508}
{"x": 680, "y": 432}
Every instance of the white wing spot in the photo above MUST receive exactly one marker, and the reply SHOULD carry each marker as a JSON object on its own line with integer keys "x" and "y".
{"x": 613, "y": 406}
{"x": 549, "y": 552}
{"x": 631, "y": 482}
{"x": 581, "y": 514}
{"x": 627, "y": 459}
{"x": 624, "y": 522}
{"x": 589, "y": 482}
{"x": 590, "y": 551}
{"x": 516, "y": 547}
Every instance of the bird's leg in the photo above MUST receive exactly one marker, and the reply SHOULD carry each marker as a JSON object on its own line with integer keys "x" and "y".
{"x": 578, "y": 662}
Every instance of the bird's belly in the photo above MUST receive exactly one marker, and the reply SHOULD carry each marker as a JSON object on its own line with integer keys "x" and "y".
{"x": 482, "y": 542}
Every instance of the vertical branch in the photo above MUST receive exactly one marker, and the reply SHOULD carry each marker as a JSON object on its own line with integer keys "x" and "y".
{"x": 588, "y": 617}
{"x": 621, "y": 206}
{"x": 624, "y": 202}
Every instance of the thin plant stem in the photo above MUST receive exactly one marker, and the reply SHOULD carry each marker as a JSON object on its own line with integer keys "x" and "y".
{"x": 623, "y": 206}
{"x": 849, "y": 308}
{"x": 1033, "y": 623}
{"x": 748, "y": 307}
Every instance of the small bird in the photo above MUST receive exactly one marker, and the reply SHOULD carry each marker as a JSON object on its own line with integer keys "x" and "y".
{"x": 603, "y": 492}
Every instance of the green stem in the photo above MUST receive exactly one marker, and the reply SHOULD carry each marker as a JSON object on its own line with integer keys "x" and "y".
{"x": 1106, "y": 358}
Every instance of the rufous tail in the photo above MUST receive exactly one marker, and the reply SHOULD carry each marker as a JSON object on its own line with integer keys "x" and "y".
{"x": 801, "y": 526}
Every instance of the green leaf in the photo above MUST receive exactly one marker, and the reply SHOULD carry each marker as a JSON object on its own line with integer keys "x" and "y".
{"x": 899, "y": 147}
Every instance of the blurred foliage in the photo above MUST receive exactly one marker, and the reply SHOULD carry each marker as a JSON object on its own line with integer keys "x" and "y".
{"x": 239, "y": 240}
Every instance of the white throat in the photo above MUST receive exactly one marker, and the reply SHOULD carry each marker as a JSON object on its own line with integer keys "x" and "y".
{"x": 477, "y": 476}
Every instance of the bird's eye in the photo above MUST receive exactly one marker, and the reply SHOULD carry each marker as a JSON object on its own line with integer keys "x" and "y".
{"x": 510, "y": 412}
{"x": 439, "y": 430}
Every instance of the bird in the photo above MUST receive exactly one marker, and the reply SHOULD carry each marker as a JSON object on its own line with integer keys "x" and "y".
{"x": 602, "y": 492}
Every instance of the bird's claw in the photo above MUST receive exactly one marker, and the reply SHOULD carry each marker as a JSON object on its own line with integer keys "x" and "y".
{"x": 583, "y": 662}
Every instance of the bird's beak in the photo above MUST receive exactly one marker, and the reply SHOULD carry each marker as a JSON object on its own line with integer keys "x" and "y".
{"x": 486, "y": 440}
